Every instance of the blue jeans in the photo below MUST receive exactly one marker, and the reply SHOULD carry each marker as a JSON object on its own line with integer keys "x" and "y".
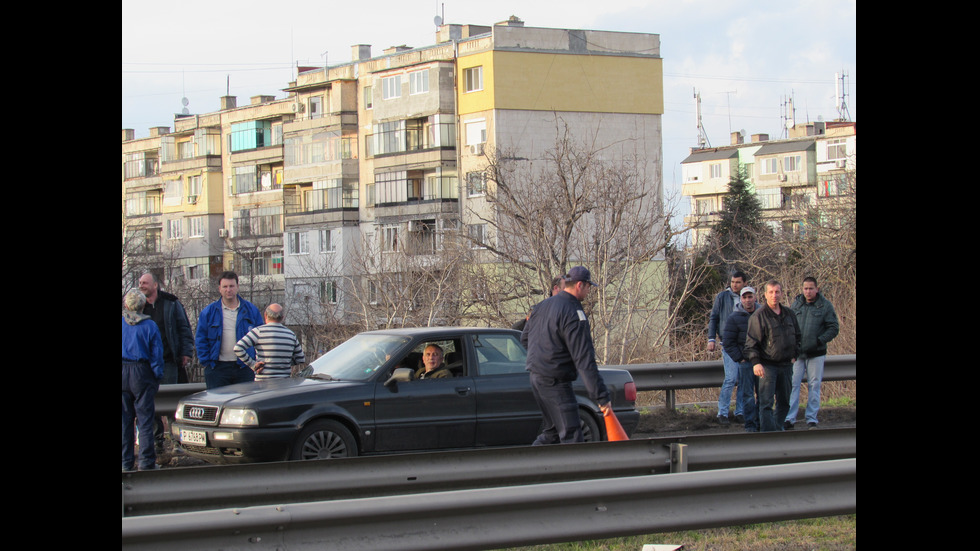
{"x": 139, "y": 390}
{"x": 227, "y": 373}
{"x": 728, "y": 385}
{"x": 812, "y": 368}
{"x": 748, "y": 387}
{"x": 774, "y": 388}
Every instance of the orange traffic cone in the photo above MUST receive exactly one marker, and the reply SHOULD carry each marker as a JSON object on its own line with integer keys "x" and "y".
{"x": 614, "y": 431}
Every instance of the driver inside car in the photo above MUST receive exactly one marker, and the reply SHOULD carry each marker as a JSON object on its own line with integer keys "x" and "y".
{"x": 433, "y": 366}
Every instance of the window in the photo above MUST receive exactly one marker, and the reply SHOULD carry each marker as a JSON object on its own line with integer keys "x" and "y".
{"x": 389, "y": 239}
{"x": 244, "y": 179}
{"x": 476, "y": 132}
{"x": 195, "y": 226}
{"x": 770, "y": 166}
{"x": 297, "y": 243}
{"x": 478, "y": 236}
{"x": 418, "y": 82}
{"x": 770, "y": 198}
{"x": 391, "y": 87}
{"x": 316, "y": 107}
{"x": 793, "y": 163}
{"x": 173, "y": 193}
{"x": 193, "y": 189}
{"x": 173, "y": 229}
{"x": 499, "y": 354}
{"x": 250, "y": 135}
{"x": 328, "y": 240}
{"x": 473, "y": 78}
{"x": 476, "y": 183}
{"x": 328, "y": 292}
{"x": 836, "y": 149}
{"x": 368, "y": 97}
{"x": 716, "y": 170}
{"x": 267, "y": 263}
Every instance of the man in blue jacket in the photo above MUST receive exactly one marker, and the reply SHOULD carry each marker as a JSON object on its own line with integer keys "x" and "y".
{"x": 559, "y": 346}
{"x": 733, "y": 340}
{"x": 142, "y": 369}
{"x": 220, "y": 326}
{"x": 818, "y": 323}
{"x": 723, "y": 306}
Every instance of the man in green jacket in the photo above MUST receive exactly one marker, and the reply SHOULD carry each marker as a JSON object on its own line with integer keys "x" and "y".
{"x": 818, "y": 323}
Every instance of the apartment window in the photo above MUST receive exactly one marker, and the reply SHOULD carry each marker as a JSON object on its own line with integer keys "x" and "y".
{"x": 173, "y": 193}
{"x": 185, "y": 150}
{"x": 173, "y": 229}
{"x": 328, "y": 240}
{"x": 837, "y": 149}
{"x": 244, "y": 179}
{"x": 418, "y": 82}
{"x": 476, "y": 132}
{"x": 368, "y": 97}
{"x": 267, "y": 263}
{"x": 257, "y": 221}
{"x": 770, "y": 198}
{"x": 316, "y": 107}
{"x": 372, "y": 292}
{"x": 478, "y": 236}
{"x": 328, "y": 292}
{"x": 391, "y": 87}
{"x": 297, "y": 243}
{"x": 250, "y": 135}
{"x": 193, "y": 189}
{"x": 770, "y": 166}
{"x": 473, "y": 78}
{"x": 793, "y": 163}
{"x": 195, "y": 226}
{"x": 476, "y": 183}
{"x": 389, "y": 239}
{"x": 142, "y": 203}
{"x": 716, "y": 170}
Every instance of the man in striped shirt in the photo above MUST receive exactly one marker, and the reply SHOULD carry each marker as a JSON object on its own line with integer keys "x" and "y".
{"x": 276, "y": 347}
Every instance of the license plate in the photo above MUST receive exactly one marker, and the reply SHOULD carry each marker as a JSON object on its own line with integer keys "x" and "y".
{"x": 193, "y": 437}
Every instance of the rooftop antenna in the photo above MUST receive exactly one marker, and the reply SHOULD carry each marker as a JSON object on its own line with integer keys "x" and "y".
{"x": 702, "y": 135}
{"x": 729, "y": 94}
{"x": 788, "y": 116}
{"x": 324, "y": 56}
{"x": 842, "y": 113}
{"x": 183, "y": 100}
{"x": 438, "y": 19}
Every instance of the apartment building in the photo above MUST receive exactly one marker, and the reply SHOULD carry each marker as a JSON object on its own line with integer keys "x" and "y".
{"x": 787, "y": 175}
{"x": 387, "y": 153}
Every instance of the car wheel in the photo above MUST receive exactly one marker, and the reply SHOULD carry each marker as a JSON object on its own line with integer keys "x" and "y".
{"x": 590, "y": 429}
{"x": 324, "y": 440}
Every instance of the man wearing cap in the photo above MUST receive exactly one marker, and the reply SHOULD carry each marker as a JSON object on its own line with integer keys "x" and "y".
{"x": 733, "y": 340}
{"x": 559, "y": 345}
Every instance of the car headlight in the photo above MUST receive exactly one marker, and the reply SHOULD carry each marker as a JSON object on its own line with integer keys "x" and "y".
{"x": 239, "y": 417}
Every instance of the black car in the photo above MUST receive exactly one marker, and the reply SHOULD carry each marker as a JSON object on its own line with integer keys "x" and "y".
{"x": 362, "y": 398}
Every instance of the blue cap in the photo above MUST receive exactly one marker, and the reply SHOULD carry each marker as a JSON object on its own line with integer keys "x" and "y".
{"x": 580, "y": 273}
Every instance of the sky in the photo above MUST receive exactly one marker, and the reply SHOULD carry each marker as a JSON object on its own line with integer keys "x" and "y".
{"x": 745, "y": 59}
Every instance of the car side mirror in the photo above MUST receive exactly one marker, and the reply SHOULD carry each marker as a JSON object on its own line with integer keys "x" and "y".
{"x": 401, "y": 374}
{"x": 305, "y": 372}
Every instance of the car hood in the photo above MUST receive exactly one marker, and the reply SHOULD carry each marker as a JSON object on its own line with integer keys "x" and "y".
{"x": 245, "y": 394}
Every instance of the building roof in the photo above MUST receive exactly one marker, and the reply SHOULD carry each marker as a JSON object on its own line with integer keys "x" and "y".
{"x": 710, "y": 155}
{"x": 786, "y": 147}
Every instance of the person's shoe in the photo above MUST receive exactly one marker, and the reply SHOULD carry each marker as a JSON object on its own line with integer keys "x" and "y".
{"x": 152, "y": 468}
{"x": 740, "y": 419}
{"x": 723, "y": 420}
{"x": 811, "y": 426}
{"x": 787, "y": 425}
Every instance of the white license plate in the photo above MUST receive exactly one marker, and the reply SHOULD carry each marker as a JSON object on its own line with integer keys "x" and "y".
{"x": 193, "y": 437}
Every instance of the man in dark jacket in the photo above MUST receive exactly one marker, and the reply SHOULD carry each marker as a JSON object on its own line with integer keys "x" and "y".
{"x": 559, "y": 346}
{"x": 142, "y": 368}
{"x": 818, "y": 324}
{"x": 772, "y": 344}
{"x": 724, "y": 304}
{"x": 733, "y": 340}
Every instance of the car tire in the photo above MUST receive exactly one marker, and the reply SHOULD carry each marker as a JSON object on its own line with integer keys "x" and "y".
{"x": 324, "y": 439}
{"x": 590, "y": 429}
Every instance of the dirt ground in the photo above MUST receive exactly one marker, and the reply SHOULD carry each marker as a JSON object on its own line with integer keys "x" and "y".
{"x": 659, "y": 421}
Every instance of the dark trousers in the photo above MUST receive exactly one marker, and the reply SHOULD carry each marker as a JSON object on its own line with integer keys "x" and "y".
{"x": 748, "y": 387}
{"x": 774, "y": 390}
{"x": 139, "y": 390}
{"x": 227, "y": 373}
{"x": 562, "y": 423}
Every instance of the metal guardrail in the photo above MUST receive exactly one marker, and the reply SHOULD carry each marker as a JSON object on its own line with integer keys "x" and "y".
{"x": 491, "y": 518}
{"x": 669, "y": 377}
{"x": 209, "y": 487}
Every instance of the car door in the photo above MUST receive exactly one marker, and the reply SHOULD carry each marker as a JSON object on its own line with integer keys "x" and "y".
{"x": 506, "y": 412}
{"x": 427, "y": 414}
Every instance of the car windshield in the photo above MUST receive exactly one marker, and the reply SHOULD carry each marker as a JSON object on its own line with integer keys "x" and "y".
{"x": 357, "y": 359}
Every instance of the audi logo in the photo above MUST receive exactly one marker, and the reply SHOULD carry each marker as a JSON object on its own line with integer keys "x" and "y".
{"x": 195, "y": 413}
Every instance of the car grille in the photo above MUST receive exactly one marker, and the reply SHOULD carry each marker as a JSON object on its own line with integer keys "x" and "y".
{"x": 200, "y": 414}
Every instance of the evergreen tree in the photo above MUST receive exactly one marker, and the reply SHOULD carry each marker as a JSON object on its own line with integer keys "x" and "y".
{"x": 741, "y": 221}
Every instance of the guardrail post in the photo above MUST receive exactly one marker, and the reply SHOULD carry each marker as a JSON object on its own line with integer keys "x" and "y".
{"x": 678, "y": 458}
{"x": 671, "y": 399}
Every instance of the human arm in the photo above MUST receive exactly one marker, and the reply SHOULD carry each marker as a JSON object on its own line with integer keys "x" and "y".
{"x": 241, "y": 350}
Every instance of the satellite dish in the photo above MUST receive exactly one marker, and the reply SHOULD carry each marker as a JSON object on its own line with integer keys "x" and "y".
{"x": 185, "y": 111}
{"x": 437, "y": 20}
{"x": 184, "y": 101}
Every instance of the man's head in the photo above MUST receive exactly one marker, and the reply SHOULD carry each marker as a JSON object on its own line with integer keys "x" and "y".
{"x": 149, "y": 285}
{"x": 737, "y": 282}
{"x": 578, "y": 282}
{"x": 228, "y": 286}
{"x": 747, "y": 296}
{"x": 134, "y": 300}
{"x": 774, "y": 293}
{"x": 432, "y": 357}
{"x": 810, "y": 289}
{"x": 274, "y": 313}
{"x": 556, "y": 285}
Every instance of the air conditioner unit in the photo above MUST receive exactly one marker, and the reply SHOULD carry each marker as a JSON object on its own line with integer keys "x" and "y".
{"x": 222, "y": 232}
{"x": 192, "y": 199}
{"x": 298, "y": 107}
{"x": 840, "y": 163}
{"x": 476, "y": 149}
{"x": 782, "y": 178}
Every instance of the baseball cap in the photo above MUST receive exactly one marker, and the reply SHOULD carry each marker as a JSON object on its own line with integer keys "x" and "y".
{"x": 580, "y": 273}
{"x": 746, "y": 289}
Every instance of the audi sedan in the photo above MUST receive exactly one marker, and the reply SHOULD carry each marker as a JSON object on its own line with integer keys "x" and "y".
{"x": 363, "y": 398}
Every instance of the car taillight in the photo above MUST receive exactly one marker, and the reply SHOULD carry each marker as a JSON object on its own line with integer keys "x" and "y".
{"x": 630, "y": 390}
